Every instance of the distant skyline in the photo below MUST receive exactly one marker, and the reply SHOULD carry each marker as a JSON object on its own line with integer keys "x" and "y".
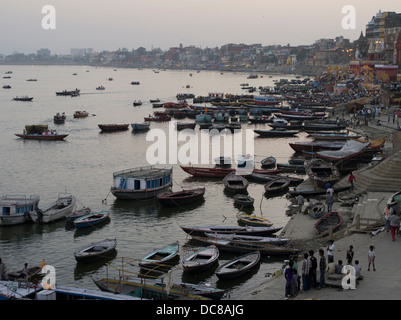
{"x": 110, "y": 25}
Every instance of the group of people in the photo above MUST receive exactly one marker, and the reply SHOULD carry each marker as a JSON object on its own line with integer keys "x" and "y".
{"x": 305, "y": 272}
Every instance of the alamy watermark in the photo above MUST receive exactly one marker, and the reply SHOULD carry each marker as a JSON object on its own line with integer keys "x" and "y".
{"x": 49, "y": 20}
{"x": 349, "y": 20}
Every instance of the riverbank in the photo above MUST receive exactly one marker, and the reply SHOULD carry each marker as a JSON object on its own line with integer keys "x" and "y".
{"x": 382, "y": 284}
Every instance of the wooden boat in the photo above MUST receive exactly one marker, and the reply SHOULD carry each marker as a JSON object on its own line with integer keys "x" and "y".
{"x": 243, "y": 246}
{"x": 59, "y": 209}
{"x": 96, "y": 250}
{"x": 324, "y": 127}
{"x": 181, "y": 197}
{"x": 137, "y": 103}
{"x": 185, "y": 125}
{"x": 113, "y": 127}
{"x": 249, "y": 239}
{"x": 200, "y": 260}
{"x": 15, "y": 209}
{"x": 323, "y": 172}
{"x": 219, "y": 172}
{"x": 333, "y": 136}
{"x": 141, "y": 183}
{"x": 32, "y": 272}
{"x": 238, "y": 266}
{"x": 243, "y": 200}
{"x": 81, "y": 114}
{"x": 59, "y": 118}
{"x": 275, "y": 133}
{"x": 317, "y": 210}
{"x": 154, "y": 100}
{"x": 251, "y": 231}
{"x": 351, "y": 149}
{"x": 260, "y": 120}
{"x": 296, "y": 161}
{"x": 92, "y": 219}
{"x": 316, "y": 146}
{"x": 35, "y": 136}
{"x": 253, "y": 221}
{"x": 163, "y": 257}
{"x": 331, "y": 220}
{"x": 68, "y": 93}
{"x": 287, "y": 167}
{"x": 156, "y": 289}
{"x": 140, "y": 126}
{"x": 78, "y": 214}
{"x": 23, "y": 98}
{"x": 235, "y": 183}
{"x": 312, "y": 193}
{"x": 158, "y": 118}
{"x": 277, "y": 185}
{"x": 268, "y": 163}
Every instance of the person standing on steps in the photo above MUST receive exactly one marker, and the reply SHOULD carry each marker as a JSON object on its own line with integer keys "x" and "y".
{"x": 351, "y": 180}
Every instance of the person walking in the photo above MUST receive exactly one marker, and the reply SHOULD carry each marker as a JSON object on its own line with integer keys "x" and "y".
{"x": 351, "y": 180}
{"x": 350, "y": 254}
{"x": 300, "y": 200}
{"x": 306, "y": 265}
{"x": 394, "y": 224}
{"x": 322, "y": 269}
{"x": 371, "y": 258}
{"x": 329, "y": 201}
{"x": 387, "y": 213}
{"x": 288, "y": 273}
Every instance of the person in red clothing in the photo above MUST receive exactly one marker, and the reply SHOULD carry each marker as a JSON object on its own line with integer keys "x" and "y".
{"x": 351, "y": 180}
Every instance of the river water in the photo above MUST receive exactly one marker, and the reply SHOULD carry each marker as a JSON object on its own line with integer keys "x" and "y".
{"x": 84, "y": 163}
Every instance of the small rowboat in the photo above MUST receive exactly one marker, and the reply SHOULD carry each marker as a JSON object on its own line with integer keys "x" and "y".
{"x": 254, "y": 231}
{"x": 235, "y": 183}
{"x": 78, "y": 214}
{"x": 243, "y": 200}
{"x": 275, "y": 133}
{"x": 92, "y": 219}
{"x": 317, "y": 210}
{"x": 249, "y": 239}
{"x": 140, "y": 126}
{"x": 331, "y": 220}
{"x": 277, "y": 185}
{"x": 268, "y": 163}
{"x": 113, "y": 127}
{"x": 238, "y": 266}
{"x": 161, "y": 257}
{"x": 253, "y": 221}
{"x": 201, "y": 259}
{"x": 95, "y": 251}
{"x": 32, "y": 271}
{"x": 181, "y": 198}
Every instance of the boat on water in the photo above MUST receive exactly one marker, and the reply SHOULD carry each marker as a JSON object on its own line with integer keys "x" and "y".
{"x": 204, "y": 118}
{"x": 81, "y": 114}
{"x": 59, "y": 118}
{"x": 113, "y": 127}
{"x": 163, "y": 257}
{"x": 265, "y": 100}
{"x": 333, "y": 136}
{"x": 200, "y": 260}
{"x": 137, "y": 103}
{"x": 268, "y": 163}
{"x": 78, "y": 214}
{"x": 141, "y": 183}
{"x": 322, "y": 172}
{"x": 158, "y": 118}
{"x": 181, "y": 198}
{"x": 235, "y": 183}
{"x": 238, "y": 266}
{"x": 275, "y": 133}
{"x": 351, "y": 149}
{"x": 96, "y": 250}
{"x": 140, "y": 126}
{"x": 40, "y": 132}
{"x": 68, "y": 93}
{"x": 277, "y": 185}
{"x": 25, "y": 98}
{"x": 243, "y": 201}
{"x": 59, "y": 209}
{"x": 15, "y": 209}
{"x": 244, "y": 246}
{"x": 315, "y": 146}
{"x": 13, "y": 275}
{"x": 157, "y": 289}
{"x": 252, "y": 220}
{"x": 92, "y": 219}
{"x": 246, "y": 230}
{"x": 288, "y": 167}
{"x": 185, "y": 125}
{"x": 249, "y": 239}
{"x": 331, "y": 220}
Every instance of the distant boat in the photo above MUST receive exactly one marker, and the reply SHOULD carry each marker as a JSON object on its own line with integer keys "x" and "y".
{"x": 100, "y": 88}
{"x": 243, "y": 200}
{"x": 238, "y": 266}
{"x": 253, "y": 221}
{"x": 80, "y": 114}
{"x": 140, "y": 126}
{"x": 181, "y": 198}
{"x": 275, "y": 133}
{"x": 235, "y": 183}
{"x": 251, "y": 231}
{"x": 26, "y": 98}
{"x": 185, "y": 125}
{"x": 68, "y": 93}
{"x": 59, "y": 118}
{"x": 78, "y": 214}
{"x": 331, "y": 220}
{"x": 113, "y": 127}
{"x": 59, "y": 209}
{"x": 277, "y": 185}
{"x": 96, "y": 250}
{"x": 49, "y": 137}
{"x": 268, "y": 163}
{"x": 137, "y": 103}
{"x": 162, "y": 257}
{"x": 92, "y": 219}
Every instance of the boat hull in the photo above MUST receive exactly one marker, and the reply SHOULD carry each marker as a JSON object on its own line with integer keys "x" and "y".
{"x": 49, "y": 137}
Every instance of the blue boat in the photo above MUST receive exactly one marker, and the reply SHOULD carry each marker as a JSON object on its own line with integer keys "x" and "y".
{"x": 92, "y": 219}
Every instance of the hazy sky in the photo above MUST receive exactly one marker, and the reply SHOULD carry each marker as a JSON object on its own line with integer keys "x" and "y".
{"x": 109, "y": 25}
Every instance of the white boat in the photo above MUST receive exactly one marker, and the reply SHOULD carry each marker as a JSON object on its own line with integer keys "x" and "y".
{"x": 59, "y": 209}
{"x": 15, "y": 209}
